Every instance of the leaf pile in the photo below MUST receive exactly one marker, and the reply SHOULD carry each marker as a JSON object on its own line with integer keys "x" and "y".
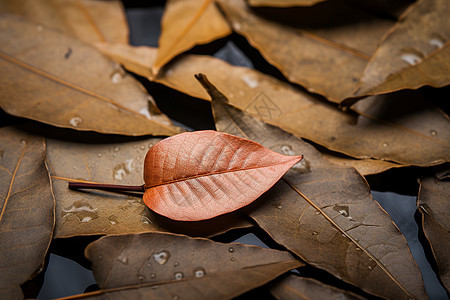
{"x": 357, "y": 93}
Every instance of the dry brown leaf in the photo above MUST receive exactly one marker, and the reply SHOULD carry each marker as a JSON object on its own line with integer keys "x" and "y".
{"x": 168, "y": 266}
{"x": 187, "y": 23}
{"x": 364, "y": 167}
{"x": 283, "y": 3}
{"x": 200, "y": 175}
{"x": 27, "y": 209}
{"x": 414, "y": 53}
{"x": 324, "y": 52}
{"x": 56, "y": 79}
{"x": 101, "y": 159}
{"x": 89, "y": 20}
{"x": 293, "y": 287}
{"x": 433, "y": 203}
{"x": 401, "y": 127}
{"x": 325, "y": 213}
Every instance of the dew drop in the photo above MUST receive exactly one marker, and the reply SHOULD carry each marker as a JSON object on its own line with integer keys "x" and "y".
{"x": 155, "y": 287}
{"x": 112, "y": 157}
{"x": 314, "y": 233}
{"x": 150, "y": 145}
{"x": 385, "y": 144}
{"x": 122, "y": 258}
{"x": 437, "y": 42}
{"x": 161, "y": 257}
{"x": 149, "y": 265}
{"x": 99, "y": 154}
{"x": 116, "y": 149}
{"x": 233, "y": 259}
{"x": 178, "y": 275}
{"x": 370, "y": 267}
{"x": 152, "y": 275}
{"x": 280, "y": 207}
{"x": 116, "y": 77}
{"x": 176, "y": 264}
{"x": 199, "y": 272}
{"x": 358, "y": 249}
{"x": 433, "y": 132}
{"x": 231, "y": 249}
{"x": 317, "y": 212}
{"x": 75, "y": 121}
{"x": 113, "y": 220}
{"x": 142, "y": 147}
{"x": 141, "y": 278}
{"x": 287, "y": 150}
{"x": 411, "y": 57}
{"x": 23, "y": 141}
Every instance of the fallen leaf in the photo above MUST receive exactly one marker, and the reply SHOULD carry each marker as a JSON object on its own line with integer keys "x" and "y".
{"x": 70, "y": 84}
{"x": 401, "y": 127}
{"x": 200, "y": 175}
{"x": 89, "y": 20}
{"x": 433, "y": 203}
{"x": 283, "y": 3}
{"x": 168, "y": 266}
{"x": 364, "y": 167}
{"x": 325, "y": 213}
{"x": 414, "y": 53}
{"x": 322, "y": 51}
{"x": 111, "y": 160}
{"x": 27, "y": 209}
{"x": 295, "y": 287}
{"x": 185, "y": 24}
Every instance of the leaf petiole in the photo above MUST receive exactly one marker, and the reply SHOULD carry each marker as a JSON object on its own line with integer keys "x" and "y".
{"x": 106, "y": 187}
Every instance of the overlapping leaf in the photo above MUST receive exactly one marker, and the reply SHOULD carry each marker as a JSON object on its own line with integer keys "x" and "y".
{"x": 283, "y": 3}
{"x": 325, "y": 213}
{"x": 185, "y": 24}
{"x": 108, "y": 160}
{"x": 293, "y": 287}
{"x": 27, "y": 209}
{"x": 200, "y": 175}
{"x": 168, "y": 266}
{"x": 322, "y": 51}
{"x": 416, "y": 52}
{"x": 70, "y": 84}
{"x": 433, "y": 203}
{"x": 400, "y": 127}
{"x": 89, "y": 20}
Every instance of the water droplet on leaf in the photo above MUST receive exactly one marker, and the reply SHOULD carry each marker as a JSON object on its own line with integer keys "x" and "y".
{"x": 161, "y": 257}
{"x": 199, "y": 272}
{"x": 231, "y": 249}
{"x": 123, "y": 258}
{"x": 178, "y": 275}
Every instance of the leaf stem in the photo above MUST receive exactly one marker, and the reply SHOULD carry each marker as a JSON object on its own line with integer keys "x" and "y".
{"x": 105, "y": 187}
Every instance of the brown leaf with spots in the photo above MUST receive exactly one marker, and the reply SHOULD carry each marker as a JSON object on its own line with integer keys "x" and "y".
{"x": 58, "y": 80}
{"x": 402, "y": 127}
{"x": 293, "y": 287}
{"x": 168, "y": 266}
{"x": 314, "y": 47}
{"x": 325, "y": 213}
{"x": 27, "y": 209}
{"x": 433, "y": 203}
{"x": 187, "y": 23}
{"x": 111, "y": 160}
{"x": 415, "y": 52}
{"x": 200, "y": 175}
{"x": 91, "y": 21}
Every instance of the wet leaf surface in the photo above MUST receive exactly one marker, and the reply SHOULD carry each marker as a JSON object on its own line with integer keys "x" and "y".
{"x": 88, "y": 20}
{"x": 295, "y": 287}
{"x": 27, "y": 209}
{"x": 326, "y": 214}
{"x": 96, "y": 213}
{"x": 165, "y": 266}
{"x": 433, "y": 203}
{"x": 401, "y": 127}
{"x": 69, "y": 84}
{"x": 414, "y": 53}
{"x": 185, "y": 24}
{"x": 200, "y": 175}
{"x": 315, "y": 44}
{"x": 283, "y": 3}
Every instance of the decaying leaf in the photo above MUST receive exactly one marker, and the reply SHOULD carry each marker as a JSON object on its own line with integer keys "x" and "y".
{"x": 104, "y": 159}
{"x": 27, "y": 209}
{"x": 185, "y": 24}
{"x": 322, "y": 51}
{"x": 168, "y": 266}
{"x": 56, "y": 79}
{"x": 200, "y": 175}
{"x": 364, "y": 167}
{"x": 283, "y": 3}
{"x": 433, "y": 203}
{"x": 325, "y": 214}
{"x": 414, "y": 53}
{"x": 89, "y": 20}
{"x": 400, "y": 127}
{"x": 293, "y": 287}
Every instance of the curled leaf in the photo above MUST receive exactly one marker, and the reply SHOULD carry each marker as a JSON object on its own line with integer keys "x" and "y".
{"x": 200, "y": 175}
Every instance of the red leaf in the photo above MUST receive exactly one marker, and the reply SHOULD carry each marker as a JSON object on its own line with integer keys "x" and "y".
{"x": 200, "y": 175}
